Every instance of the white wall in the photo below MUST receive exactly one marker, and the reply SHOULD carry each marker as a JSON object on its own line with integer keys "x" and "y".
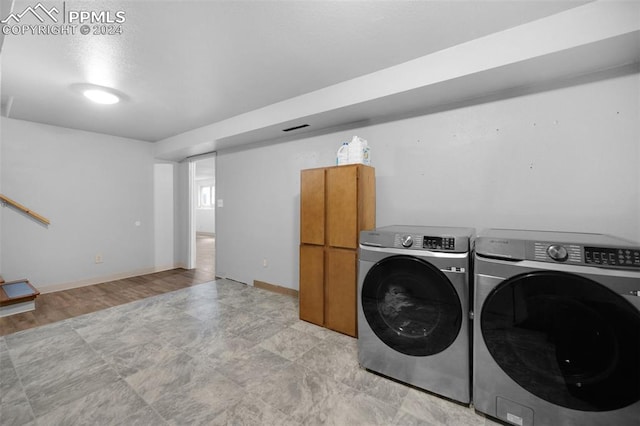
{"x": 93, "y": 188}
{"x": 1, "y": 191}
{"x": 566, "y": 159}
{"x": 164, "y": 215}
{"x": 181, "y": 209}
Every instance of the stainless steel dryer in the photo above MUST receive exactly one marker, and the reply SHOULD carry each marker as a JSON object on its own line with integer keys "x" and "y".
{"x": 413, "y": 306}
{"x": 557, "y": 328}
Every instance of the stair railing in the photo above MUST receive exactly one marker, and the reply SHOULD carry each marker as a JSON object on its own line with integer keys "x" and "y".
{"x": 9, "y": 201}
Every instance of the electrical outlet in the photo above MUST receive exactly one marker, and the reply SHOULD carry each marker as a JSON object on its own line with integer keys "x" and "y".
{"x": 99, "y": 258}
{"x": 265, "y": 263}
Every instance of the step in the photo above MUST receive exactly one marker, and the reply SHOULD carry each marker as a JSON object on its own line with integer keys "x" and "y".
{"x": 17, "y": 297}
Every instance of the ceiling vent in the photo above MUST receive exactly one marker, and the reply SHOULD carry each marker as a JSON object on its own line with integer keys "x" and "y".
{"x": 295, "y": 128}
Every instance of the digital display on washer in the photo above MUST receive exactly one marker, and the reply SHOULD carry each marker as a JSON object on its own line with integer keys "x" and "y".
{"x": 439, "y": 243}
{"x": 612, "y": 256}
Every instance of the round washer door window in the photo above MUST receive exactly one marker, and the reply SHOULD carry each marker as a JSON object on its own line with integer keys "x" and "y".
{"x": 411, "y": 306}
{"x": 565, "y": 339}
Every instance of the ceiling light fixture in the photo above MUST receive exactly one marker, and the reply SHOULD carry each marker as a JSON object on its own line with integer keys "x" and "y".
{"x": 101, "y": 96}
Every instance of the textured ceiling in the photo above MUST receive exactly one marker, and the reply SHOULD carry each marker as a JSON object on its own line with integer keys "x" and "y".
{"x": 186, "y": 64}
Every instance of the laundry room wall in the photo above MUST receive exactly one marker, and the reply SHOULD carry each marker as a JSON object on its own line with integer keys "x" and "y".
{"x": 164, "y": 215}
{"x": 559, "y": 159}
{"x": 97, "y": 191}
{"x": 181, "y": 211}
{"x": 1, "y": 192}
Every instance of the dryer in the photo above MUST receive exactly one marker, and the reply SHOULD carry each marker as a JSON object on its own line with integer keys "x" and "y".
{"x": 557, "y": 328}
{"x": 413, "y": 306}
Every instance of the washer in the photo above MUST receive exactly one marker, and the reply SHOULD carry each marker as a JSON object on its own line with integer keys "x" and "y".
{"x": 413, "y": 306}
{"x": 557, "y": 328}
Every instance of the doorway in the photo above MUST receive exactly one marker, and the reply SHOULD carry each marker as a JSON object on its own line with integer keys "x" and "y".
{"x": 203, "y": 229}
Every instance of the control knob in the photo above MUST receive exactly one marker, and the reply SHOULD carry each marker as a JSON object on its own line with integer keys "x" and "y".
{"x": 407, "y": 241}
{"x": 557, "y": 252}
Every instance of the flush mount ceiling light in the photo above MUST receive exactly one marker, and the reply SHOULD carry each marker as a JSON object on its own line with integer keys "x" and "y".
{"x": 101, "y": 96}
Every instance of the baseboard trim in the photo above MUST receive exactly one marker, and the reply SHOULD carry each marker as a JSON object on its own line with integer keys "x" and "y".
{"x": 275, "y": 288}
{"x": 104, "y": 279}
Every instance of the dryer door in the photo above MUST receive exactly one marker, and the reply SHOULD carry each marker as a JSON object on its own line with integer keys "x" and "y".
{"x": 411, "y": 306}
{"x": 566, "y": 339}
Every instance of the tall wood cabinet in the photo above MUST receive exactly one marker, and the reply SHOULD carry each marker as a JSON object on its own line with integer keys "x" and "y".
{"x": 336, "y": 203}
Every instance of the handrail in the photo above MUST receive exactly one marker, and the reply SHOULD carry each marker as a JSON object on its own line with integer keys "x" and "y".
{"x": 7, "y": 200}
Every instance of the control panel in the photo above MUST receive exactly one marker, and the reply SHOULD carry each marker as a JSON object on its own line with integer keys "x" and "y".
{"x": 439, "y": 243}
{"x": 612, "y": 256}
{"x": 586, "y": 255}
{"x": 424, "y": 242}
{"x": 547, "y": 251}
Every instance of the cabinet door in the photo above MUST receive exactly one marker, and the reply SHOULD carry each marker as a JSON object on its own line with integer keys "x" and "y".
{"x": 366, "y": 199}
{"x": 312, "y": 219}
{"x": 342, "y": 206}
{"x": 340, "y": 290}
{"x": 312, "y": 284}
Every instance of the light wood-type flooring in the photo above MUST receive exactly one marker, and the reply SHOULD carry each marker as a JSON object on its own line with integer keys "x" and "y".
{"x": 217, "y": 353}
{"x": 52, "y": 307}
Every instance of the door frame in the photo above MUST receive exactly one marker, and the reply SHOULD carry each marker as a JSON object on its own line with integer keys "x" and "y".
{"x": 192, "y": 201}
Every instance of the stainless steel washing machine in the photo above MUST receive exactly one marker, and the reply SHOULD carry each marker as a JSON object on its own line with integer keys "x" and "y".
{"x": 557, "y": 328}
{"x": 413, "y": 306}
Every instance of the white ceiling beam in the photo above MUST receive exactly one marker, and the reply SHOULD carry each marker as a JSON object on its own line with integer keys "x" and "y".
{"x": 592, "y": 37}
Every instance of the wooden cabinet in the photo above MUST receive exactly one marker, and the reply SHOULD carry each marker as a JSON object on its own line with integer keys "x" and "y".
{"x": 340, "y": 284}
{"x": 336, "y": 203}
{"x": 312, "y": 283}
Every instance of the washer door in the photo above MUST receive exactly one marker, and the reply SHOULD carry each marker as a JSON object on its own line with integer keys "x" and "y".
{"x": 411, "y": 306}
{"x": 565, "y": 339}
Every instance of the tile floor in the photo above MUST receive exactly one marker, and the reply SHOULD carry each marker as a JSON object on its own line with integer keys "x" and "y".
{"x": 215, "y": 353}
